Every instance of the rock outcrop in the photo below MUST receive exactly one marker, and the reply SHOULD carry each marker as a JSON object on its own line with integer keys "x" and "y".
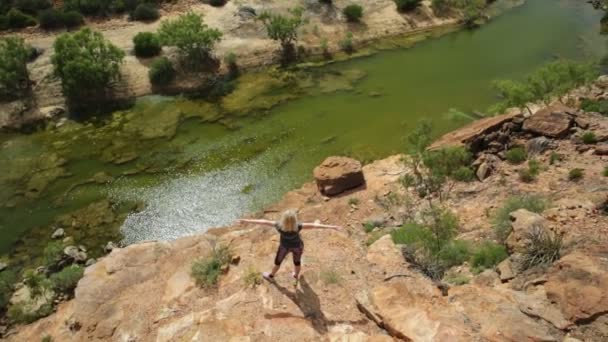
{"x": 553, "y": 121}
{"x": 338, "y": 174}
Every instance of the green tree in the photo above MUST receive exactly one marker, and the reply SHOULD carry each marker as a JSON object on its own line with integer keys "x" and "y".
{"x": 283, "y": 29}
{"x": 353, "y": 13}
{"x": 14, "y": 77}
{"x": 87, "y": 65}
{"x": 407, "y": 5}
{"x": 147, "y": 44}
{"x": 191, "y": 36}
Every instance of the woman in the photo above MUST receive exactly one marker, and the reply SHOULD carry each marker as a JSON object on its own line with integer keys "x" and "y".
{"x": 289, "y": 228}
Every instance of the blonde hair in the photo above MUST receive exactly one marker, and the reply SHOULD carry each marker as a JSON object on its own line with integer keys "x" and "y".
{"x": 289, "y": 221}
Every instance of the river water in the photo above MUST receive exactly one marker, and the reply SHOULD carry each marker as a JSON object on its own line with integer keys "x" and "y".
{"x": 191, "y": 164}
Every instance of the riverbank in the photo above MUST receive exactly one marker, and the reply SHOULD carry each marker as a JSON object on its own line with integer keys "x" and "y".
{"x": 242, "y": 35}
{"x": 356, "y": 283}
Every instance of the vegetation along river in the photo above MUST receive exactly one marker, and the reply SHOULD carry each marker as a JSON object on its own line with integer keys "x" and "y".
{"x": 170, "y": 167}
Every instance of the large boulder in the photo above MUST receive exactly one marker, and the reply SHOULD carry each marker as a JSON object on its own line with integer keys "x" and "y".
{"x": 553, "y": 121}
{"x": 338, "y": 174}
{"x": 578, "y": 283}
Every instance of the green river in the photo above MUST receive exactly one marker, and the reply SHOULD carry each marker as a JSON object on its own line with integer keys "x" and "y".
{"x": 170, "y": 167}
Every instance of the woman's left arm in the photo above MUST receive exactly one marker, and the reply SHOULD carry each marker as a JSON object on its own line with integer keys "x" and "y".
{"x": 319, "y": 225}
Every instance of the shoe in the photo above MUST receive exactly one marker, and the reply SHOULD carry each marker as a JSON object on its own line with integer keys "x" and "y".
{"x": 268, "y": 276}
{"x": 295, "y": 279}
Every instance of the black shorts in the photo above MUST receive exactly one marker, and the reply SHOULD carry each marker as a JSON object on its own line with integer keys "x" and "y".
{"x": 295, "y": 251}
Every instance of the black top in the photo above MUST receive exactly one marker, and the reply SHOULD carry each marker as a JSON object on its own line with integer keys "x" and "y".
{"x": 290, "y": 239}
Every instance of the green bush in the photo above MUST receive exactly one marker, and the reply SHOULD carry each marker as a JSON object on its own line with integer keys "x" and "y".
{"x": 216, "y": 3}
{"x": 52, "y": 253}
{"x": 555, "y": 157}
{"x": 464, "y": 174}
{"x": 65, "y": 281}
{"x": 283, "y": 29}
{"x": 8, "y": 278}
{"x": 456, "y": 280}
{"x": 88, "y": 7}
{"x": 598, "y": 106}
{"x": 529, "y": 175}
{"x": 206, "y": 272}
{"x": 440, "y": 7}
{"x": 32, "y": 6}
{"x": 455, "y": 253}
{"x": 353, "y": 13}
{"x": 542, "y": 248}
{"x": 407, "y": 5}
{"x": 502, "y": 221}
{"x": 346, "y": 44}
{"x": 17, "y": 19}
{"x": 14, "y": 77}
{"x": 589, "y": 138}
{"x": 72, "y": 19}
{"x": 488, "y": 255}
{"x": 17, "y": 314}
{"x": 161, "y": 72}
{"x": 145, "y": 12}
{"x": 50, "y": 19}
{"x": 330, "y": 276}
{"x": 4, "y": 22}
{"x": 576, "y": 174}
{"x": 87, "y": 64}
{"x": 516, "y": 155}
{"x": 253, "y": 277}
{"x": 193, "y": 39}
{"x": 147, "y": 44}
{"x": 411, "y": 234}
{"x": 605, "y": 172}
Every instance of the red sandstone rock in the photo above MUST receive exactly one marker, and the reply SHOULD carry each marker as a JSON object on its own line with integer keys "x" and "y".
{"x": 338, "y": 174}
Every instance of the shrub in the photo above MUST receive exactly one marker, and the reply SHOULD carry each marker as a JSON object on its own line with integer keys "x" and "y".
{"x": 353, "y": 13}
{"x": 32, "y": 6}
{"x": 7, "y": 280}
{"x": 502, "y": 221}
{"x": 346, "y": 44}
{"x": 589, "y": 138}
{"x": 542, "y": 249}
{"x": 411, "y": 234}
{"x": 368, "y": 227}
{"x": 231, "y": 61}
{"x": 555, "y": 157}
{"x": 605, "y": 172}
{"x": 161, "y": 72}
{"x": 216, "y": 3}
{"x": 252, "y": 278}
{"x": 19, "y": 314}
{"x": 14, "y": 77}
{"x": 576, "y": 174}
{"x": 50, "y": 19}
{"x": 147, "y": 44}
{"x": 440, "y": 7}
{"x": 192, "y": 37}
{"x": 529, "y": 175}
{"x": 455, "y": 253}
{"x": 407, "y": 5}
{"x": 353, "y": 201}
{"x": 3, "y": 22}
{"x": 72, "y": 19}
{"x": 464, "y": 174}
{"x": 87, "y": 64}
{"x": 65, "y": 281}
{"x": 88, "y": 7}
{"x": 47, "y": 338}
{"x": 52, "y": 253}
{"x": 473, "y": 14}
{"x": 599, "y": 106}
{"x": 145, "y": 12}
{"x": 330, "y": 276}
{"x": 488, "y": 255}
{"x": 283, "y": 29}
{"x": 16, "y": 19}
{"x": 206, "y": 272}
{"x": 516, "y": 155}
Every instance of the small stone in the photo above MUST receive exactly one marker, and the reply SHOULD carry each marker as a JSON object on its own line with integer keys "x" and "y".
{"x": 601, "y": 150}
{"x": 483, "y": 171}
{"x": 505, "y": 269}
{"x": 3, "y": 266}
{"x": 582, "y": 148}
{"x": 74, "y": 253}
{"x": 90, "y": 262}
{"x": 225, "y": 268}
{"x": 58, "y": 234}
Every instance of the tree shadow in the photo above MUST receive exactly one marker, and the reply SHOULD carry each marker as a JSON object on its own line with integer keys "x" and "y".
{"x": 308, "y": 302}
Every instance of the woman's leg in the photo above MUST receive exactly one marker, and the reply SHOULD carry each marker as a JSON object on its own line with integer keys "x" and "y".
{"x": 297, "y": 260}
{"x": 278, "y": 259}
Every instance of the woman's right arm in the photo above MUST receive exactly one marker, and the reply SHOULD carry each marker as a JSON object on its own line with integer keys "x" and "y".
{"x": 319, "y": 225}
{"x": 262, "y": 222}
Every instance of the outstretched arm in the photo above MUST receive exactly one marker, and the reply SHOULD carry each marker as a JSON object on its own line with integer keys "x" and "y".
{"x": 262, "y": 222}
{"x": 319, "y": 225}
